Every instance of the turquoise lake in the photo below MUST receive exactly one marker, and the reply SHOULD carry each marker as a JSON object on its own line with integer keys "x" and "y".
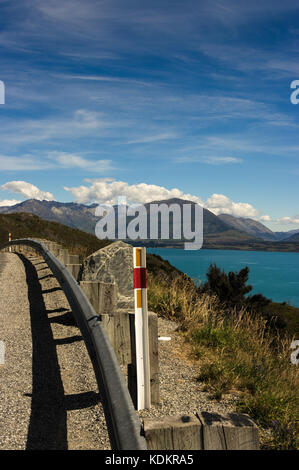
{"x": 275, "y": 275}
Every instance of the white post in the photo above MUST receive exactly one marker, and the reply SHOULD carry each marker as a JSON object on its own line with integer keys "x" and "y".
{"x": 9, "y": 239}
{"x": 141, "y": 330}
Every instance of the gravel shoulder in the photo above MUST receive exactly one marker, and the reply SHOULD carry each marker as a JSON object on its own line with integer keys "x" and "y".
{"x": 49, "y": 395}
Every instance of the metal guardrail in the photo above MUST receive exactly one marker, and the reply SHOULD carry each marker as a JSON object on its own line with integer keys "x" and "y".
{"x": 123, "y": 423}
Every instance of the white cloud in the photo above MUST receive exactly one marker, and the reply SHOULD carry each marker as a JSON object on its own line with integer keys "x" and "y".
{"x": 9, "y": 202}
{"x": 211, "y": 160}
{"x": 107, "y": 191}
{"x": 153, "y": 138}
{"x": 289, "y": 220}
{"x": 52, "y": 160}
{"x": 266, "y": 218}
{"x": 220, "y": 204}
{"x": 29, "y": 163}
{"x": 104, "y": 78}
{"x": 70, "y": 160}
{"x": 27, "y": 190}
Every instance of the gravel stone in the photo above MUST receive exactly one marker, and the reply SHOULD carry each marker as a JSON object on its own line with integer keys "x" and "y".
{"x": 48, "y": 392}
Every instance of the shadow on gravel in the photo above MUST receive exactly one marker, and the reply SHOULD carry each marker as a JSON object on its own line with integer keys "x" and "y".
{"x": 69, "y": 340}
{"x": 48, "y": 420}
{"x": 47, "y": 427}
{"x": 54, "y": 289}
{"x": 66, "y": 319}
{"x": 82, "y": 400}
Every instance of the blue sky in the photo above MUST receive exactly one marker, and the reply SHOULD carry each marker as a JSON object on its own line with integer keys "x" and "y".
{"x": 152, "y": 99}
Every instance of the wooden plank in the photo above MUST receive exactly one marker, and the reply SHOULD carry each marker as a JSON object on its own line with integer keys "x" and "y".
{"x": 63, "y": 256}
{"x": 122, "y": 339}
{"x": 74, "y": 259}
{"x": 154, "y": 357}
{"x": 212, "y": 430}
{"x": 173, "y": 433}
{"x": 74, "y": 270}
{"x": 230, "y": 431}
{"x": 108, "y": 324}
{"x": 240, "y": 432}
{"x": 91, "y": 290}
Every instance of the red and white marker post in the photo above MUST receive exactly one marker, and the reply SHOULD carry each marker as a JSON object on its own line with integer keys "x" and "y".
{"x": 9, "y": 239}
{"x": 141, "y": 330}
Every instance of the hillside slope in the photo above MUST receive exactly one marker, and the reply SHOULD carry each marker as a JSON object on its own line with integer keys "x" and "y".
{"x": 293, "y": 238}
{"x": 23, "y": 225}
{"x": 250, "y": 226}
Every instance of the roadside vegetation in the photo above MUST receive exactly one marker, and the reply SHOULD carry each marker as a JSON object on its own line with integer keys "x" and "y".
{"x": 241, "y": 342}
{"x": 239, "y": 349}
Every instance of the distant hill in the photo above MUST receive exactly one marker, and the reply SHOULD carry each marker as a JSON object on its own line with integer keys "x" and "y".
{"x": 71, "y": 214}
{"x": 83, "y": 217}
{"x": 286, "y": 235}
{"x": 250, "y": 226}
{"x": 24, "y": 225}
{"x": 293, "y": 238}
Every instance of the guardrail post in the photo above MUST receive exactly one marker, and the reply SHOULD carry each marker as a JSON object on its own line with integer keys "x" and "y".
{"x": 154, "y": 359}
{"x": 74, "y": 259}
{"x": 141, "y": 330}
{"x": 173, "y": 433}
{"x": 63, "y": 256}
{"x": 74, "y": 269}
{"x": 202, "y": 431}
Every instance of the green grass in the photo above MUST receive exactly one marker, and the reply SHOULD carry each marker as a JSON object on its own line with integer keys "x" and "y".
{"x": 236, "y": 352}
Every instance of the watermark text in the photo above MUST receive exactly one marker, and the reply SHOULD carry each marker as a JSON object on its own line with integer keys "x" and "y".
{"x": 2, "y": 92}
{"x": 154, "y": 222}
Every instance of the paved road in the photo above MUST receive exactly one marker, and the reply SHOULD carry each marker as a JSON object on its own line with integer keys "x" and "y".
{"x": 48, "y": 392}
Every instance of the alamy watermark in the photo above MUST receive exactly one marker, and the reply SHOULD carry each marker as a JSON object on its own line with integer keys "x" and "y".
{"x": 2, "y": 92}
{"x": 154, "y": 222}
{"x": 294, "y": 95}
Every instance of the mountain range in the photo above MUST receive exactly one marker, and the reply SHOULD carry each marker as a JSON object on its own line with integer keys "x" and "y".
{"x": 223, "y": 228}
{"x": 255, "y": 228}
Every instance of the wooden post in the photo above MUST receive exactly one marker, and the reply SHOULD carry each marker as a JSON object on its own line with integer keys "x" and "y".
{"x": 74, "y": 259}
{"x": 203, "y": 431}
{"x": 102, "y": 295}
{"x": 108, "y": 324}
{"x": 91, "y": 290}
{"x": 74, "y": 270}
{"x": 122, "y": 339}
{"x": 231, "y": 431}
{"x": 173, "y": 433}
{"x": 63, "y": 256}
{"x": 154, "y": 356}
